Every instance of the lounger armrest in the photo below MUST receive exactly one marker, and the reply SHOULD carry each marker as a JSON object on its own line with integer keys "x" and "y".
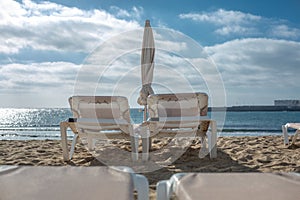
{"x": 165, "y": 188}
{"x": 72, "y": 119}
{"x": 141, "y": 184}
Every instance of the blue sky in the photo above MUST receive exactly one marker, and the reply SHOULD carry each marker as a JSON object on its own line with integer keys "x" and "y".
{"x": 255, "y": 45}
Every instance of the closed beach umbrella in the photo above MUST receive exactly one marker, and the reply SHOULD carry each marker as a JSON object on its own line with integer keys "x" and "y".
{"x": 147, "y": 66}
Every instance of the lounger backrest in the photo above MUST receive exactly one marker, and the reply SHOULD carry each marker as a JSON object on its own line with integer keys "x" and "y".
{"x": 104, "y": 107}
{"x": 177, "y": 105}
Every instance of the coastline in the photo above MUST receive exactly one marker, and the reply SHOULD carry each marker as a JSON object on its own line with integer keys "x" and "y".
{"x": 235, "y": 154}
{"x": 262, "y": 108}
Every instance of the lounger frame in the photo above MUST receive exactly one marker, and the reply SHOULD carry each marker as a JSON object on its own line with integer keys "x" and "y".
{"x": 285, "y": 132}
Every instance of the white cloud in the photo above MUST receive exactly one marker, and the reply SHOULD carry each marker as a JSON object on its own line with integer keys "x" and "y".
{"x": 37, "y": 77}
{"x": 284, "y": 31}
{"x": 134, "y": 13}
{"x": 50, "y": 26}
{"x": 254, "y": 67}
{"x": 222, "y": 17}
{"x": 235, "y": 29}
{"x": 227, "y": 21}
{"x": 247, "y": 66}
{"x": 235, "y": 23}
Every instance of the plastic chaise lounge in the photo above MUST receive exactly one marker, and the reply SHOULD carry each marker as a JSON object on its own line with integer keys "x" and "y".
{"x": 230, "y": 186}
{"x": 285, "y": 132}
{"x": 179, "y": 115}
{"x": 74, "y": 183}
{"x": 98, "y": 117}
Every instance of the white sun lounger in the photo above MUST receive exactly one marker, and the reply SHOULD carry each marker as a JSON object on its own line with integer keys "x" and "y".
{"x": 179, "y": 115}
{"x": 74, "y": 183}
{"x": 285, "y": 132}
{"x": 98, "y": 117}
{"x": 230, "y": 186}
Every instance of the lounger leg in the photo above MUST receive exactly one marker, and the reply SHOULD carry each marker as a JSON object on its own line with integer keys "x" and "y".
{"x": 134, "y": 142}
{"x": 145, "y": 143}
{"x": 150, "y": 143}
{"x": 75, "y": 138}
{"x": 203, "y": 142}
{"x": 204, "y": 150}
{"x": 285, "y": 134}
{"x": 295, "y": 136}
{"x": 134, "y": 148}
{"x": 90, "y": 142}
{"x": 212, "y": 140}
{"x": 64, "y": 141}
{"x": 145, "y": 149}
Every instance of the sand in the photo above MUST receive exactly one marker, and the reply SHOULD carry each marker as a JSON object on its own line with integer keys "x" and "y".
{"x": 235, "y": 154}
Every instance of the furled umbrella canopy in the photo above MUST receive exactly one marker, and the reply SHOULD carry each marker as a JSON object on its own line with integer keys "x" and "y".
{"x": 147, "y": 64}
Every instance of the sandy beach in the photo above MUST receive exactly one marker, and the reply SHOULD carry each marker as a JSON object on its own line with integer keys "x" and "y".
{"x": 235, "y": 154}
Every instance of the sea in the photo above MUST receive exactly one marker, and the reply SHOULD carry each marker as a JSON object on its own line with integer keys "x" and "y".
{"x": 43, "y": 123}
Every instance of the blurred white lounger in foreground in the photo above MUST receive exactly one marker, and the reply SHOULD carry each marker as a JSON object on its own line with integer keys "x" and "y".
{"x": 74, "y": 183}
{"x": 285, "y": 132}
{"x": 230, "y": 186}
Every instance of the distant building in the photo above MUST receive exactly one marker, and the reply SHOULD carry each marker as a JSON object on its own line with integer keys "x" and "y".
{"x": 287, "y": 102}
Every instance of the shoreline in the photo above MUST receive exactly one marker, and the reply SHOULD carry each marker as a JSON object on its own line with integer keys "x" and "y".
{"x": 235, "y": 154}
{"x": 55, "y": 134}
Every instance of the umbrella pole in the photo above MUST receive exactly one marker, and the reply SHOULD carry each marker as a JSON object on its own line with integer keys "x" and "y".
{"x": 145, "y": 119}
{"x": 145, "y": 113}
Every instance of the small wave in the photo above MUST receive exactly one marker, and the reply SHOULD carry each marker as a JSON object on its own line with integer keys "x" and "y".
{"x": 32, "y": 135}
{"x": 20, "y": 129}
